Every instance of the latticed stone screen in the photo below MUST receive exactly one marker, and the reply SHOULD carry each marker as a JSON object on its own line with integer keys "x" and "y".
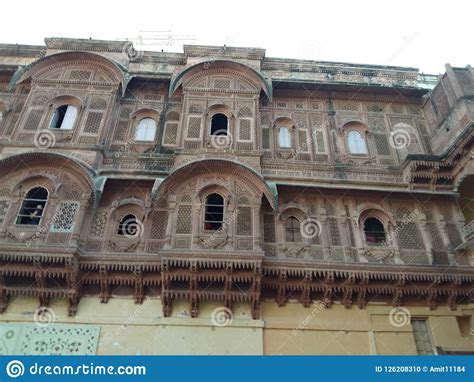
{"x": 375, "y": 108}
{"x": 194, "y": 127}
{"x": 65, "y": 215}
{"x": 80, "y": 75}
{"x": 319, "y": 141}
{"x": 100, "y": 222}
{"x": 98, "y": 103}
{"x": 245, "y": 112}
{"x": 159, "y": 220}
{"x": 303, "y": 140}
{"x": 265, "y": 120}
{"x": 171, "y": 133}
{"x": 381, "y": 144}
{"x": 40, "y": 99}
{"x": 266, "y": 139}
{"x": 269, "y": 228}
{"x": 245, "y": 128}
{"x": 125, "y": 112}
{"x": 93, "y": 121}
{"x": 183, "y": 223}
{"x": 34, "y": 119}
{"x": 348, "y": 106}
{"x": 4, "y": 204}
{"x": 121, "y": 131}
{"x": 244, "y": 221}
{"x": 222, "y": 83}
{"x": 410, "y": 237}
{"x": 334, "y": 231}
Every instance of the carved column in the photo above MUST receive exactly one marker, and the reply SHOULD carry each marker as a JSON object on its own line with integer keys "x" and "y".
{"x": 195, "y": 222}
{"x": 324, "y": 234}
{"x": 392, "y": 231}
{"x": 171, "y": 222}
{"x": 443, "y": 229}
{"x": 78, "y": 222}
{"x": 358, "y": 238}
{"x": 257, "y": 240}
{"x": 346, "y": 241}
{"x": 231, "y": 221}
{"x": 426, "y": 238}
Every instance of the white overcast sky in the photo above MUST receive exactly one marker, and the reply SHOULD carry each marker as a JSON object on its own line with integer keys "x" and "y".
{"x": 421, "y": 34}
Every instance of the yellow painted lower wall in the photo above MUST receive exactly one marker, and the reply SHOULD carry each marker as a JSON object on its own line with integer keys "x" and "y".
{"x": 126, "y": 328}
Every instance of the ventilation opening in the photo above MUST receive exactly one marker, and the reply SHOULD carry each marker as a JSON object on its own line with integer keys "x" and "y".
{"x": 284, "y": 138}
{"x": 374, "y": 231}
{"x": 214, "y": 216}
{"x": 33, "y": 206}
{"x": 128, "y": 226}
{"x": 292, "y": 230}
{"x": 63, "y": 117}
{"x": 219, "y": 124}
{"x": 356, "y": 143}
{"x": 146, "y": 130}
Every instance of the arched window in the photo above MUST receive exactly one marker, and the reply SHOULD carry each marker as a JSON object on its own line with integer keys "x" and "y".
{"x": 146, "y": 130}
{"x": 284, "y": 138}
{"x": 128, "y": 226}
{"x": 63, "y": 117}
{"x": 356, "y": 143}
{"x": 292, "y": 230}
{"x": 219, "y": 124}
{"x": 214, "y": 214}
{"x": 33, "y": 205}
{"x": 374, "y": 231}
